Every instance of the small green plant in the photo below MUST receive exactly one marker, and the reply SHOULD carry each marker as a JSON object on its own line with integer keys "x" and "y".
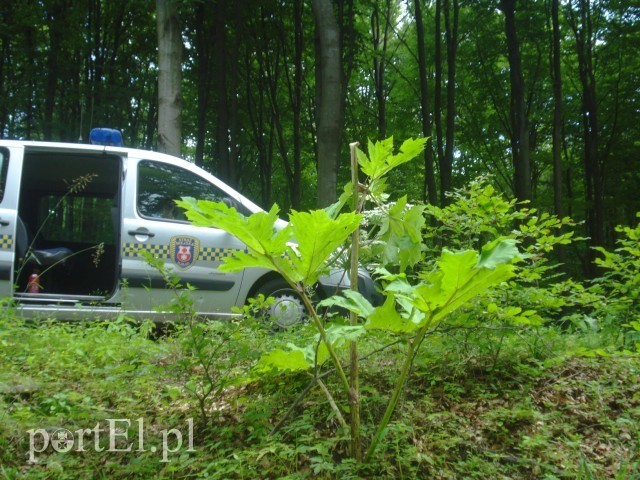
{"x": 211, "y": 354}
{"x": 619, "y": 286}
{"x": 621, "y": 278}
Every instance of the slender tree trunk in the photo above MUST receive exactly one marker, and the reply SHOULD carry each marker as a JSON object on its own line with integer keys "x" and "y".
{"x": 556, "y": 139}
{"x": 451, "y": 37}
{"x": 277, "y": 73}
{"x": 519, "y": 120}
{"x": 203, "y": 78}
{"x": 95, "y": 62}
{"x": 276, "y": 67}
{"x": 272, "y": 78}
{"x": 349, "y": 48}
{"x": 169, "y": 78}
{"x": 429, "y": 191}
{"x": 296, "y": 190}
{"x": 55, "y": 20}
{"x": 5, "y": 51}
{"x": 220, "y": 79}
{"x": 329, "y": 93}
{"x": 31, "y": 62}
{"x": 584, "y": 36}
{"x": 380, "y": 34}
{"x": 234, "y": 121}
{"x": 255, "y": 107}
{"x": 437, "y": 104}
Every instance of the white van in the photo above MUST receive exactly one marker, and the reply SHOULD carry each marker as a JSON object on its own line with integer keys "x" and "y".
{"x": 75, "y": 217}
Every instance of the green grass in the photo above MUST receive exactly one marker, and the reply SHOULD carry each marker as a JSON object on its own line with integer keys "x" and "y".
{"x": 467, "y": 412}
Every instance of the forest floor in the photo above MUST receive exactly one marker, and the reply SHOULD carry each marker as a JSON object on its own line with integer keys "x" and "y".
{"x": 108, "y": 401}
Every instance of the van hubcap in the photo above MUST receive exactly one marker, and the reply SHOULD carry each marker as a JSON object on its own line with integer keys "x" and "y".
{"x": 286, "y": 311}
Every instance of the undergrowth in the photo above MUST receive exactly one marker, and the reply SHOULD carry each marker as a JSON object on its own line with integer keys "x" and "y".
{"x": 555, "y": 416}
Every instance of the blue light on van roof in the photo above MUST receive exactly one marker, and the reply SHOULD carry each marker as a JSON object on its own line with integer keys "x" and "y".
{"x": 106, "y": 136}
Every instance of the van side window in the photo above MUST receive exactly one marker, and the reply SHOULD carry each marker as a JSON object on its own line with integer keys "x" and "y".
{"x": 4, "y": 168}
{"x": 159, "y": 184}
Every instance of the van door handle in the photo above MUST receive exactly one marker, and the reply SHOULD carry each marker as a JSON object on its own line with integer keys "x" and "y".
{"x": 141, "y": 232}
{"x": 3, "y": 223}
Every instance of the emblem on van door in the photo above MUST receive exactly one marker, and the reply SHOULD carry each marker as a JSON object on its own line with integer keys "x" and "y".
{"x": 184, "y": 251}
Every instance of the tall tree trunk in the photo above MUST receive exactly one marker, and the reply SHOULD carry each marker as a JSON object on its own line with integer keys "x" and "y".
{"x": 519, "y": 120}
{"x": 429, "y": 190}
{"x": 349, "y": 48}
{"x": 56, "y": 22}
{"x": 296, "y": 190}
{"x": 169, "y": 78}
{"x": 272, "y": 79}
{"x": 585, "y": 39}
{"x": 203, "y": 78}
{"x": 95, "y": 60}
{"x": 5, "y": 51}
{"x": 255, "y": 107}
{"x": 437, "y": 103}
{"x": 32, "y": 68}
{"x": 380, "y": 34}
{"x": 329, "y": 92}
{"x": 277, "y": 72}
{"x": 451, "y": 37}
{"x": 556, "y": 135}
{"x": 234, "y": 121}
{"x": 222, "y": 107}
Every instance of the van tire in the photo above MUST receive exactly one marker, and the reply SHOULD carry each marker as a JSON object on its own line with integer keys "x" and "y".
{"x": 288, "y": 308}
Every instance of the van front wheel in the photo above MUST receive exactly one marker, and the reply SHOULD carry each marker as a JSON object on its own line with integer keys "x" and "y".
{"x": 287, "y": 308}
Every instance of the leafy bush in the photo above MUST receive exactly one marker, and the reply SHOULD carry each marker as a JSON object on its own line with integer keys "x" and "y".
{"x": 621, "y": 278}
{"x": 619, "y": 286}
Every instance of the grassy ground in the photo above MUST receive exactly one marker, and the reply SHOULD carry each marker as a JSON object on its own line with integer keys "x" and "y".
{"x": 468, "y": 411}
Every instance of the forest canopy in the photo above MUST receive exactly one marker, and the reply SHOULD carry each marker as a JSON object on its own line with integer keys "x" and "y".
{"x": 541, "y": 94}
